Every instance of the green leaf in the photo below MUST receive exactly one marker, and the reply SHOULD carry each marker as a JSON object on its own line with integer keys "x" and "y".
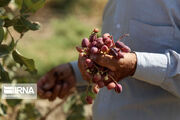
{"x": 5, "y": 35}
{"x": 1, "y": 22}
{"x": 31, "y": 5}
{"x": 22, "y": 25}
{"x": 83, "y": 98}
{"x": 34, "y": 26}
{"x": 4, "y": 75}
{"x": 69, "y": 102}
{"x": 28, "y": 63}
{"x": 3, "y": 109}
{"x": 13, "y": 102}
{"x": 0, "y": 92}
{"x": 4, "y": 2}
{"x": 19, "y": 3}
{"x": 12, "y": 45}
{"x": 9, "y": 22}
{"x": 4, "y": 50}
{"x": 1, "y": 34}
{"x": 92, "y": 94}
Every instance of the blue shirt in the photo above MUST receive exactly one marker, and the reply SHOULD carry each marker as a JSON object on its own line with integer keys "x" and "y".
{"x": 153, "y": 93}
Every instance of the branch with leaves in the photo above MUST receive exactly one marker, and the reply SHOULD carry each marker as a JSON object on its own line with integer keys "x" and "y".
{"x": 13, "y": 19}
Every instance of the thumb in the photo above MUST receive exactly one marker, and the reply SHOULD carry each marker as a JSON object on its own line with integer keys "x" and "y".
{"x": 105, "y": 61}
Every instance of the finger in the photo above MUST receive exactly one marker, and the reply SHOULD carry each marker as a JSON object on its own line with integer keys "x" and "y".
{"x": 126, "y": 49}
{"x": 111, "y": 85}
{"x": 49, "y": 84}
{"x": 96, "y": 89}
{"x": 122, "y": 46}
{"x": 40, "y": 92}
{"x": 116, "y": 76}
{"x": 57, "y": 73}
{"x": 48, "y": 94}
{"x": 62, "y": 72}
{"x": 55, "y": 93}
{"x": 47, "y": 81}
{"x": 41, "y": 82}
{"x": 81, "y": 60}
{"x": 105, "y": 61}
{"x": 63, "y": 91}
{"x": 81, "y": 57}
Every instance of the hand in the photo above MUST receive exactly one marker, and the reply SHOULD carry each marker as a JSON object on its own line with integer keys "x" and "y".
{"x": 58, "y": 82}
{"x": 82, "y": 67}
{"x": 121, "y": 68}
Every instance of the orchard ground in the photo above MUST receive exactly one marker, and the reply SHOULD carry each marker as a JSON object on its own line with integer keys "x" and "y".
{"x": 55, "y": 43}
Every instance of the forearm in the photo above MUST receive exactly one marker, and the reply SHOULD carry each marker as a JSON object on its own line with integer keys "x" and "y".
{"x": 159, "y": 69}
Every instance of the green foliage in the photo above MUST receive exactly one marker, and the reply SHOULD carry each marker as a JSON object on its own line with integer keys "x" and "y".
{"x": 1, "y": 34}
{"x": 58, "y": 47}
{"x": 90, "y": 93}
{"x": 3, "y": 109}
{"x": 30, "y": 5}
{"x": 4, "y": 2}
{"x": 4, "y": 75}
{"x": 19, "y": 3}
{"x": 57, "y": 44}
{"x": 19, "y": 20}
{"x": 22, "y": 25}
{"x": 74, "y": 108}
{"x": 67, "y": 33}
{"x": 29, "y": 63}
{"x": 9, "y": 22}
{"x": 26, "y": 113}
{"x": 6, "y": 49}
{"x": 13, "y": 102}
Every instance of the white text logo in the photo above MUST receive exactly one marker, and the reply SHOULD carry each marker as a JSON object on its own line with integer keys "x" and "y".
{"x": 19, "y": 91}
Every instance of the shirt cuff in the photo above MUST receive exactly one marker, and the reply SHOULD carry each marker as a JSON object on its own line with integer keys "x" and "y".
{"x": 151, "y": 67}
{"x": 79, "y": 79}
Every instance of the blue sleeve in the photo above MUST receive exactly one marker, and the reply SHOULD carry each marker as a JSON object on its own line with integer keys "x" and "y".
{"x": 79, "y": 79}
{"x": 160, "y": 69}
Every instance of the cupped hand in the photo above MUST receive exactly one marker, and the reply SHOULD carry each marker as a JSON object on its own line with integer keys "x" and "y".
{"x": 119, "y": 68}
{"x": 58, "y": 82}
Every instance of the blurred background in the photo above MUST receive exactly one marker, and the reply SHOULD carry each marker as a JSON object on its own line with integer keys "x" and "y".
{"x": 63, "y": 25}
